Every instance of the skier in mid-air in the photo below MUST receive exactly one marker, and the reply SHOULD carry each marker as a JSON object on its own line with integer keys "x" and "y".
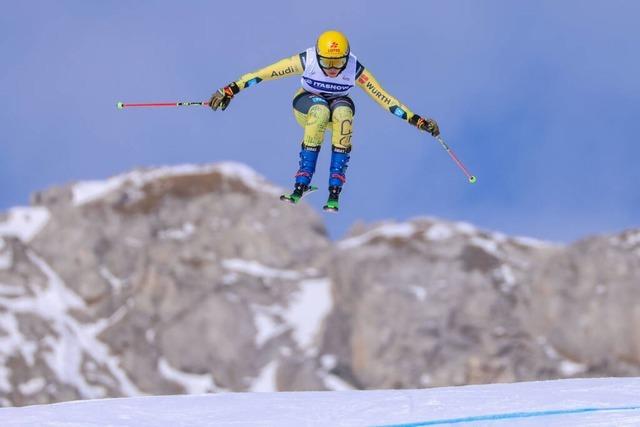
{"x": 329, "y": 71}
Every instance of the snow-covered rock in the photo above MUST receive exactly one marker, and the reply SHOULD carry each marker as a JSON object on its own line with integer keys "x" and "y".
{"x": 196, "y": 279}
{"x": 24, "y": 222}
{"x": 169, "y": 280}
{"x": 431, "y": 302}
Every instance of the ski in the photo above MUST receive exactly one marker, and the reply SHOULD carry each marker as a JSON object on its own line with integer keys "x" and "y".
{"x": 332, "y": 201}
{"x": 331, "y": 206}
{"x": 294, "y": 198}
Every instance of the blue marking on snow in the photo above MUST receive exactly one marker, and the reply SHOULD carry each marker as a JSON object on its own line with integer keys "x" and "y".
{"x": 514, "y": 415}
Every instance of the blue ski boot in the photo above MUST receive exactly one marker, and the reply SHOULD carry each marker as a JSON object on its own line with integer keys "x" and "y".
{"x": 308, "y": 160}
{"x": 339, "y": 160}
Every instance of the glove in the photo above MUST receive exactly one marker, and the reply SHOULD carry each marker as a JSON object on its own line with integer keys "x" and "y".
{"x": 222, "y": 97}
{"x": 428, "y": 125}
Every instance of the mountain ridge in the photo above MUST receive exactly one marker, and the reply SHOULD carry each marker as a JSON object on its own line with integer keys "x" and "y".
{"x": 196, "y": 279}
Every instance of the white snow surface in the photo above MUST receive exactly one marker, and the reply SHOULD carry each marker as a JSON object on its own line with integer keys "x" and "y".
{"x": 563, "y": 403}
{"x": 89, "y": 191}
{"x": 24, "y": 222}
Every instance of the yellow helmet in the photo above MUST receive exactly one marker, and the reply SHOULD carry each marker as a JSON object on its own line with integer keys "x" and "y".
{"x": 332, "y": 49}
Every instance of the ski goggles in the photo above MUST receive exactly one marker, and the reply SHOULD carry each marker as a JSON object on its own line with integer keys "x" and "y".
{"x": 337, "y": 63}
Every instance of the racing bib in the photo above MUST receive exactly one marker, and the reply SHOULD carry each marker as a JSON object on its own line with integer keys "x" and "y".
{"x": 315, "y": 81}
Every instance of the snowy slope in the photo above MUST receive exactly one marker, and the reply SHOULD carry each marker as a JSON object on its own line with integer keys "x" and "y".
{"x": 588, "y": 402}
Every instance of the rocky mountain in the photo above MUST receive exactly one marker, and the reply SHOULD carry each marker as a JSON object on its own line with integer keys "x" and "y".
{"x": 197, "y": 279}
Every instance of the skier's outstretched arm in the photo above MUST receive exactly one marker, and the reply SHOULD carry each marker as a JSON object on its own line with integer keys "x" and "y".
{"x": 286, "y": 67}
{"x": 370, "y": 85}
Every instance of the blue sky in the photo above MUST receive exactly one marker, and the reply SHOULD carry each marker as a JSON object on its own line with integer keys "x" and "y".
{"x": 540, "y": 99}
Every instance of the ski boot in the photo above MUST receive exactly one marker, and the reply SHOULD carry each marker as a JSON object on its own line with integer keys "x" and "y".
{"x": 299, "y": 191}
{"x": 308, "y": 160}
{"x": 339, "y": 161}
{"x": 332, "y": 201}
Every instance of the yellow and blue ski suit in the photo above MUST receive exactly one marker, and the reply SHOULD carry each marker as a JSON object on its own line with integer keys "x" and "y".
{"x": 316, "y": 110}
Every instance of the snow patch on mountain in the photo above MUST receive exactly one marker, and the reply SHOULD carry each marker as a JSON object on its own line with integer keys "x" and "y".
{"x": 307, "y": 311}
{"x": 24, "y": 222}
{"x": 629, "y": 240}
{"x": 567, "y": 367}
{"x": 253, "y": 268}
{"x": 433, "y": 229}
{"x": 72, "y": 342}
{"x": 304, "y": 315}
{"x": 89, "y": 191}
{"x": 439, "y": 232}
{"x": 266, "y": 324}
{"x": 6, "y": 255}
{"x": 187, "y": 229}
{"x": 388, "y": 231}
{"x": 192, "y": 383}
{"x": 116, "y": 283}
{"x": 32, "y": 386}
{"x": 266, "y": 381}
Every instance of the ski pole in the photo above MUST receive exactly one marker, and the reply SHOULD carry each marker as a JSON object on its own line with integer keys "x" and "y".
{"x": 472, "y": 178}
{"x": 122, "y": 105}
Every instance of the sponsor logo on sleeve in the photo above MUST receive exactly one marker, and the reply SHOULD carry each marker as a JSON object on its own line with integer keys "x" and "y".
{"x": 280, "y": 73}
{"x": 378, "y": 94}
